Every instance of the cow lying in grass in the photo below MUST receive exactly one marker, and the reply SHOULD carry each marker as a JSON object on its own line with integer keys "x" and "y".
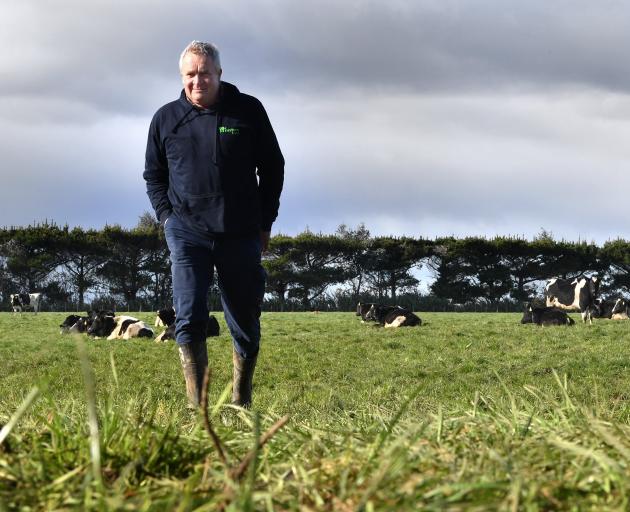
{"x": 118, "y": 327}
{"x": 614, "y": 309}
{"x": 392, "y": 316}
{"x": 545, "y": 316}
{"x": 363, "y": 308}
{"x": 621, "y": 311}
{"x": 75, "y": 324}
{"x": 80, "y": 324}
{"x": 165, "y": 317}
{"x": 212, "y": 327}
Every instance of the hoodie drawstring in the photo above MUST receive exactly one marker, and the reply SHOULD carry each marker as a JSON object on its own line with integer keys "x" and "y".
{"x": 216, "y": 157}
{"x": 182, "y": 119}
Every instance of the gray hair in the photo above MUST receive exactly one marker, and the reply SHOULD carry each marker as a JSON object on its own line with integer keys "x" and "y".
{"x": 201, "y": 48}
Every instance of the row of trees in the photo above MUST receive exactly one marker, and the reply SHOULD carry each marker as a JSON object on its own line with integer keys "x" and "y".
{"x": 129, "y": 268}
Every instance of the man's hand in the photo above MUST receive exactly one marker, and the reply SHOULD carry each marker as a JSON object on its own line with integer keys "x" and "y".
{"x": 264, "y": 240}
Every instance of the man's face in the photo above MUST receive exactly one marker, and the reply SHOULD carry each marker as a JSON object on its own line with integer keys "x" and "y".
{"x": 201, "y": 80}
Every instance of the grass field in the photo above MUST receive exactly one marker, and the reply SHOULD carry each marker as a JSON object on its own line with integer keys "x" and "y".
{"x": 467, "y": 412}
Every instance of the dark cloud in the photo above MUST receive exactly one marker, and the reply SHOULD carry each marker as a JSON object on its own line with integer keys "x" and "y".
{"x": 115, "y": 54}
{"x": 427, "y": 117}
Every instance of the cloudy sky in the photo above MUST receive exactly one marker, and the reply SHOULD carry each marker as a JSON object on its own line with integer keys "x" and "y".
{"x": 416, "y": 117}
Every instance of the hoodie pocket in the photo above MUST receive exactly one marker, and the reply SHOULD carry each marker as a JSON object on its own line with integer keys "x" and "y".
{"x": 205, "y": 213}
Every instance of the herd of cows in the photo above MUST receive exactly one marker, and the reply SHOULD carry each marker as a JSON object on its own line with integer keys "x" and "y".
{"x": 561, "y": 295}
{"x": 106, "y": 324}
{"x": 580, "y": 294}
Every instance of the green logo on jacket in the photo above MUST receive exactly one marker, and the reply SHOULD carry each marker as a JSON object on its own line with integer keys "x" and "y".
{"x": 230, "y": 131}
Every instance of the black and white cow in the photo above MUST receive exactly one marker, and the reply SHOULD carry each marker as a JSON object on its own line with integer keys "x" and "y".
{"x": 74, "y": 323}
{"x": 93, "y": 314}
{"x": 25, "y": 301}
{"x": 363, "y": 308}
{"x": 101, "y": 324}
{"x": 68, "y": 322}
{"x": 603, "y": 308}
{"x": 621, "y": 310}
{"x": 392, "y": 316}
{"x": 82, "y": 325}
{"x": 614, "y": 309}
{"x": 545, "y": 316}
{"x": 573, "y": 295}
{"x": 119, "y": 327}
{"x": 212, "y": 329}
{"x": 165, "y": 317}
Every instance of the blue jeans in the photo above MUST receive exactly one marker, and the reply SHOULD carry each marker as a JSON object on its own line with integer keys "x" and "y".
{"x": 241, "y": 280}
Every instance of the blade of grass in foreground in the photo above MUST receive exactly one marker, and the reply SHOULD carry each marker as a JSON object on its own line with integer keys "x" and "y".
{"x": 90, "y": 392}
{"x": 113, "y": 365}
{"x": 6, "y": 430}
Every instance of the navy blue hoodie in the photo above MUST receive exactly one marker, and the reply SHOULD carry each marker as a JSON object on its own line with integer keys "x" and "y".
{"x": 201, "y": 164}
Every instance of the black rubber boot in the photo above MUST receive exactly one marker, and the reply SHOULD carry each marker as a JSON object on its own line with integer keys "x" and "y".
{"x": 242, "y": 379}
{"x": 194, "y": 358}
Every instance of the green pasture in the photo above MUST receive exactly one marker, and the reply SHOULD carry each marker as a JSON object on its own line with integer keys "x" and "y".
{"x": 467, "y": 412}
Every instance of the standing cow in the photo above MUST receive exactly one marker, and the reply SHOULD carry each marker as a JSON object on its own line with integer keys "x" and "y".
{"x": 578, "y": 294}
{"x": 25, "y": 301}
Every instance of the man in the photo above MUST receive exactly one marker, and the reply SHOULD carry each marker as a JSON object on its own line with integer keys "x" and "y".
{"x": 204, "y": 151}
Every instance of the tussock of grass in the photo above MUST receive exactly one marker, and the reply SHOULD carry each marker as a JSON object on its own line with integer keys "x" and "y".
{"x": 513, "y": 441}
{"x": 512, "y": 453}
